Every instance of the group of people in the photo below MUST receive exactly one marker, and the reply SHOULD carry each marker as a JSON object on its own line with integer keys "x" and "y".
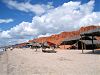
{"x": 5, "y": 49}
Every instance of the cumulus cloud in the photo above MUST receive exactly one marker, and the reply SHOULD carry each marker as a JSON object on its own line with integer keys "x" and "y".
{"x": 5, "y": 34}
{"x": 28, "y": 7}
{"x": 6, "y": 20}
{"x": 67, "y": 17}
{"x": 24, "y": 28}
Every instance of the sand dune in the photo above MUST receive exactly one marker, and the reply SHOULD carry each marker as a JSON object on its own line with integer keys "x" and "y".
{"x": 64, "y": 62}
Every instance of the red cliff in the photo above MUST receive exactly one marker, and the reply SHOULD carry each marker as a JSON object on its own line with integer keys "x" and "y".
{"x": 57, "y": 38}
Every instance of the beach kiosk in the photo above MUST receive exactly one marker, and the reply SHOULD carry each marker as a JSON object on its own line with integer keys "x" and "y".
{"x": 91, "y": 33}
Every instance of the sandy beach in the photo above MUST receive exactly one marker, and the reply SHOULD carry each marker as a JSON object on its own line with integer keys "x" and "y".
{"x": 64, "y": 62}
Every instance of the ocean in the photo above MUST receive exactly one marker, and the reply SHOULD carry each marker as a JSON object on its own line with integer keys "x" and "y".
{"x": 1, "y": 49}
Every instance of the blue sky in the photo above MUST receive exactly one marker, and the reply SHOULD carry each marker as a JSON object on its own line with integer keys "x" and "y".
{"x": 19, "y": 16}
{"x": 37, "y": 18}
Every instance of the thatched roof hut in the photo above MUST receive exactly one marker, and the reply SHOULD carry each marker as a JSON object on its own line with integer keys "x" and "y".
{"x": 95, "y": 32}
{"x": 73, "y": 40}
{"x": 87, "y": 44}
{"x": 92, "y": 33}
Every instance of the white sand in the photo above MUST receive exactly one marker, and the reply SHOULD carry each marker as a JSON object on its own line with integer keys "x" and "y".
{"x": 64, "y": 62}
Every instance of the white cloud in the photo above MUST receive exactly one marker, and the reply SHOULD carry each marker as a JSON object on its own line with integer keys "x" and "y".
{"x": 6, "y": 20}
{"x": 28, "y": 7}
{"x": 87, "y": 8}
{"x": 68, "y": 17}
{"x": 22, "y": 29}
{"x": 5, "y": 34}
{"x": 46, "y": 35}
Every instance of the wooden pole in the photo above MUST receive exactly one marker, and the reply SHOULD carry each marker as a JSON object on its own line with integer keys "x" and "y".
{"x": 81, "y": 44}
{"x": 42, "y": 45}
{"x": 64, "y": 45}
{"x": 92, "y": 44}
{"x": 77, "y": 45}
{"x": 36, "y": 47}
{"x": 85, "y": 46}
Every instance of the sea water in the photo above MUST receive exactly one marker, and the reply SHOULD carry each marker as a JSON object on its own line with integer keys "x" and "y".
{"x": 1, "y": 49}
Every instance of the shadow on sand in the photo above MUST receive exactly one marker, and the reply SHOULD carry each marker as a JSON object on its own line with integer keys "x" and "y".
{"x": 1, "y": 52}
{"x": 95, "y": 52}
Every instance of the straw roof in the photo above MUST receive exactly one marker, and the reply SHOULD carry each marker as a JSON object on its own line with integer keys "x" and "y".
{"x": 95, "y": 32}
{"x": 47, "y": 43}
{"x": 73, "y": 40}
{"x": 33, "y": 44}
{"x": 89, "y": 42}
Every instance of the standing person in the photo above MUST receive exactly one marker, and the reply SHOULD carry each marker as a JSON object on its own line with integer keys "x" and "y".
{"x": 5, "y": 49}
{"x": 11, "y": 48}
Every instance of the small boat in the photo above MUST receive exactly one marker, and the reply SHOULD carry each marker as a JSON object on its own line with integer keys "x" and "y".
{"x": 49, "y": 51}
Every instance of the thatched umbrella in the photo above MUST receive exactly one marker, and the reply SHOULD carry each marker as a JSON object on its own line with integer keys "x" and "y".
{"x": 48, "y": 44}
{"x": 34, "y": 45}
